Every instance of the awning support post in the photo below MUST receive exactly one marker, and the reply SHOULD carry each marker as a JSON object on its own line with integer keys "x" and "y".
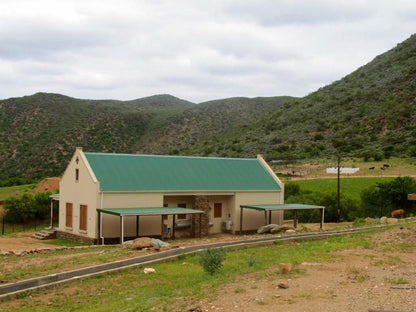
{"x": 173, "y": 226}
{"x": 295, "y": 218}
{"x": 137, "y": 226}
{"x": 51, "y": 225}
{"x": 121, "y": 230}
{"x": 322, "y": 218}
{"x": 161, "y": 227}
{"x": 241, "y": 220}
{"x": 200, "y": 225}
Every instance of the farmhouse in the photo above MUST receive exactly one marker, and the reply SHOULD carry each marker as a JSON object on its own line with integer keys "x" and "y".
{"x": 110, "y": 197}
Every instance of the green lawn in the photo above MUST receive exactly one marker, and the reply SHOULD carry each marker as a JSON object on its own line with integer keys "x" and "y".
{"x": 178, "y": 284}
{"x": 348, "y": 186}
{"x": 18, "y": 190}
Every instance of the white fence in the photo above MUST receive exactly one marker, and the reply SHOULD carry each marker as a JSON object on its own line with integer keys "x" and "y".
{"x": 342, "y": 170}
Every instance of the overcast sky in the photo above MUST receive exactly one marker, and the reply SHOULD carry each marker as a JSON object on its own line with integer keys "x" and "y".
{"x": 195, "y": 50}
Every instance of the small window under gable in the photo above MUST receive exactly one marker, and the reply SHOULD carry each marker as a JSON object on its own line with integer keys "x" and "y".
{"x": 77, "y": 174}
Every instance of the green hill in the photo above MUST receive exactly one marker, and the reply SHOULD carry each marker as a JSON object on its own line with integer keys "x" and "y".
{"x": 370, "y": 113}
{"x": 38, "y": 133}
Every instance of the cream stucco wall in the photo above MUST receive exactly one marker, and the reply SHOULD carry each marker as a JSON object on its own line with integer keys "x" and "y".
{"x": 81, "y": 192}
{"x": 150, "y": 225}
{"x": 253, "y": 219}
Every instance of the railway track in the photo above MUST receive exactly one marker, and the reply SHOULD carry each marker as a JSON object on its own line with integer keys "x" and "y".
{"x": 171, "y": 254}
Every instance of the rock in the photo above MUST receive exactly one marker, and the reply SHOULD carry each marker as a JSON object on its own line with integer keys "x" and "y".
{"x": 266, "y": 228}
{"x": 283, "y": 285}
{"x": 392, "y": 220}
{"x": 19, "y": 253}
{"x": 281, "y": 228}
{"x": 290, "y": 231}
{"x": 149, "y": 270}
{"x": 383, "y": 220}
{"x": 285, "y": 268}
{"x": 159, "y": 243}
{"x": 141, "y": 242}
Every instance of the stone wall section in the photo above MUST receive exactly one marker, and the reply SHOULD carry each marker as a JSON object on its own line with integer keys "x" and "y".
{"x": 201, "y": 203}
{"x": 76, "y": 238}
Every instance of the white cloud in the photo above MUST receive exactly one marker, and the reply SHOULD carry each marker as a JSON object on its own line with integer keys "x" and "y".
{"x": 196, "y": 50}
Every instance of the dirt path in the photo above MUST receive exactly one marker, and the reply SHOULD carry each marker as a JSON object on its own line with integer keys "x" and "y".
{"x": 20, "y": 241}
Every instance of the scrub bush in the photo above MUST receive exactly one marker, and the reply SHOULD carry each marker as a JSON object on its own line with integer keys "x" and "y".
{"x": 211, "y": 260}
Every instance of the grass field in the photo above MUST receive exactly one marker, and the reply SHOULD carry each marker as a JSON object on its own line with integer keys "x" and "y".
{"x": 18, "y": 190}
{"x": 177, "y": 284}
{"x": 349, "y": 186}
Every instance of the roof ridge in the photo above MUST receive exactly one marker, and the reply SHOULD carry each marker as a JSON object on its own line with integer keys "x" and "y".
{"x": 167, "y": 156}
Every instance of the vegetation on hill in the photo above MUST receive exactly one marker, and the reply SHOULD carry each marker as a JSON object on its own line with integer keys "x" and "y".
{"x": 209, "y": 120}
{"x": 39, "y": 133}
{"x": 371, "y": 113}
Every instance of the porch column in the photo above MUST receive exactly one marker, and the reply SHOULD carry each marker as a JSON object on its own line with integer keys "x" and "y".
{"x": 137, "y": 226}
{"x": 121, "y": 230}
{"x": 295, "y": 218}
{"x": 51, "y": 226}
{"x": 241, "y": 220}
{"x": 200, "y": 222}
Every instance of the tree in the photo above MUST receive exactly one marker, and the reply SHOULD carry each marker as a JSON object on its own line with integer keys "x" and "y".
{"x": 382, "y": 198}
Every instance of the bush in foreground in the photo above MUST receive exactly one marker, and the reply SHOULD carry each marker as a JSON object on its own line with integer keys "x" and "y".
{"x": 211, "y": 260}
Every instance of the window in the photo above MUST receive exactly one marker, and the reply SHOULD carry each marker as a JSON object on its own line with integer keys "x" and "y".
{"x": 68, "y": 222}
{"x": 182, "y": 215}
{"x": 76, "y": 174}
{"x": 217, "y": 210}
{"x": 83, "y": 217}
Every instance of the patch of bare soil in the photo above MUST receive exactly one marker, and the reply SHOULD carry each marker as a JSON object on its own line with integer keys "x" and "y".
{"x": 47, "y": 185}
{"x": 382, "y": 278}
{"x": 20, "y": 241}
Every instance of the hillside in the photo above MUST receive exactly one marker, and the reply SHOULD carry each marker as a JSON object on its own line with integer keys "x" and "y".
{"x": 38, "y": 133}
{"x": 370, "y": 113}
{"x": 209, "y": 120}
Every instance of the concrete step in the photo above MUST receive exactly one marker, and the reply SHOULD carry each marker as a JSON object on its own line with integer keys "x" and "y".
{"x": 45, "y": 234}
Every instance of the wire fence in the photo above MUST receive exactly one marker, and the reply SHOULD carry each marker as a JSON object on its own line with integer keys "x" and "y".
{"x": 30, "y": 226}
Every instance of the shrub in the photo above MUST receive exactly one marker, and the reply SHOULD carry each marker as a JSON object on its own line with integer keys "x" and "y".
{"x": 211, "y": 260}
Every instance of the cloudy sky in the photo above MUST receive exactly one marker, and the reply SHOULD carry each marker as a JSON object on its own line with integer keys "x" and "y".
{"x": 195, "y": 50}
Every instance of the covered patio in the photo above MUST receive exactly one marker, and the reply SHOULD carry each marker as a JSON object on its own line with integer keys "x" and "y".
{"x": 268, "y": 209}
{"x": 140, "y": 212}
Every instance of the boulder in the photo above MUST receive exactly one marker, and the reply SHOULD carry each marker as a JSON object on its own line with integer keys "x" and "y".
{"x": 383, "y": 220}
{"x": 290, "y": 231}
{"x": 266, "y": 228}
{"x": 142, "y": 242}
{"x": 392, "y": 220}
{"x": 281, "y": 228}
{"x": 159, "y": 243}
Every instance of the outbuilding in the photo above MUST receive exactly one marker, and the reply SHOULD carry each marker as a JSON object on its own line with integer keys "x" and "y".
{"x": 107, "y": 197}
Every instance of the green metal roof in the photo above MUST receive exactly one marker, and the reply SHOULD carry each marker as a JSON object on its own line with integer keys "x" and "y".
{"x": 125, "y": 172}
{"x": 282, "y": 207}
{"x": 148, "y": 211}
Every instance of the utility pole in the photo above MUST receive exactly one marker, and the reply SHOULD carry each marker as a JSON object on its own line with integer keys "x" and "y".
{"x": 338, "y": 191}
